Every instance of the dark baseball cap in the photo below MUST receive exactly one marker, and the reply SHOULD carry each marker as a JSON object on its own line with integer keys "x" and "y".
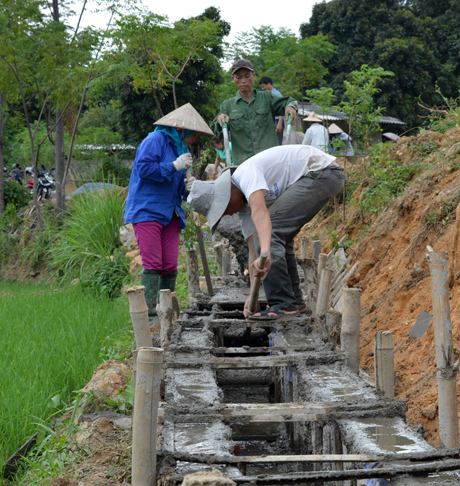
{"x": 242, "y": 64}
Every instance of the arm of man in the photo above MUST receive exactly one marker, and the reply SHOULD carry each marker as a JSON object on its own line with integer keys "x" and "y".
{"x": 262, "y": 222}
{"x": 285, "y": 106}
{"x": 216, "y": 124}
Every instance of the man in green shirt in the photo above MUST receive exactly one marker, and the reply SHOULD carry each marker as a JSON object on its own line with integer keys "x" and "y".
{"x": 250, "y": 114}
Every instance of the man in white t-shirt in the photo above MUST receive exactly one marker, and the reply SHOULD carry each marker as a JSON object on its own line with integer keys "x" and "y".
{"x": 276, "y": 192}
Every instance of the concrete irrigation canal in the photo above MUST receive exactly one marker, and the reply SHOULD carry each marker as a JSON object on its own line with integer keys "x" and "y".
{"x": 279, "y": 403}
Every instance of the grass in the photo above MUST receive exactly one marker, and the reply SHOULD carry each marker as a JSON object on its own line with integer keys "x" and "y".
{"x": 52, "y": 341}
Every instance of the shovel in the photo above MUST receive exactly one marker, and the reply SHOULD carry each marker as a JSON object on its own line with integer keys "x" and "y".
{"x": 256, "y": 285}
{"x": 288, "y": 130}
{"x": 228, "y": 157}
{"x": 199, "y": 233}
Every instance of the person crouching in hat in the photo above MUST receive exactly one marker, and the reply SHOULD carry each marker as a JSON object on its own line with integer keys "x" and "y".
{"x": 156, "y": 192}
{"x": 275, "y": 192}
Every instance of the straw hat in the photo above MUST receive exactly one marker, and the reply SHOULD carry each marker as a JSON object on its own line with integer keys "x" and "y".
{"x": 334, "y": 129}
{"x": 185, "y": 117}
{"x": 312, "y": 118}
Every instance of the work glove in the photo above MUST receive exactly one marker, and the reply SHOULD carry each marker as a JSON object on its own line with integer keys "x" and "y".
{"x": 183, "y": 162}
{"x": 189, "y": 183}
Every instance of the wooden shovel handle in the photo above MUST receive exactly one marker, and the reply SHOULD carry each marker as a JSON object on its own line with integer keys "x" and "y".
{"x": 254, "y": 296}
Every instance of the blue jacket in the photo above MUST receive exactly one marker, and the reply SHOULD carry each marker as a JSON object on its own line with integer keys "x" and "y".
{"x": 156, "y": 189}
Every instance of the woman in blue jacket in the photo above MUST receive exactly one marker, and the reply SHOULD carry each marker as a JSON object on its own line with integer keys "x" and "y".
{"x": 156, "y": 192}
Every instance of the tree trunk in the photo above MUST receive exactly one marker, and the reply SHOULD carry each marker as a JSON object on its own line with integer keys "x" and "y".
{"x": 2, "y": 155}
{"x": 59, "y": 163}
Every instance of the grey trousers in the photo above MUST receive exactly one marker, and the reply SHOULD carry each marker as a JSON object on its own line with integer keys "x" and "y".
{"x": 288, "y": 214}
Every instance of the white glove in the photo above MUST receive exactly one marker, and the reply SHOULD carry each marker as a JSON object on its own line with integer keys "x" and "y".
{"x": 189, "y": 183}
{"x": 183, "y": 162}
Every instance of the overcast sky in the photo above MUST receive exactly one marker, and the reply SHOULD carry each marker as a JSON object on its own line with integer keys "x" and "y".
{"x": 241, "y": 14}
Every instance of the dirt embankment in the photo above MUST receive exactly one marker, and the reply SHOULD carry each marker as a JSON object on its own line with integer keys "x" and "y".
{"x": 394, "y": 272}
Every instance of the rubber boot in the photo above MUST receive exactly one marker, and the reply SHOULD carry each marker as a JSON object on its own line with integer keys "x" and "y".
{"x": 168, "y": 281}
{"x": 150, "y": 279}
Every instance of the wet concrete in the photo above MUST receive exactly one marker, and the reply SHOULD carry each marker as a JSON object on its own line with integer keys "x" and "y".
{"x": 202, "y": 386}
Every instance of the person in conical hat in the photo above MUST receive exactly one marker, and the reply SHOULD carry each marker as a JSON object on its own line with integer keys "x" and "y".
{"x": 316, "y": 135}
{"x": 340, "y": 140}
{"x": 156, "y": 192}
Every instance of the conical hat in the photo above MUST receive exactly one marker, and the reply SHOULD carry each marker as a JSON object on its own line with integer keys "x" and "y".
{"x": 334, "y": 129}
{"x": 185, "y": 117}
{"x": 312, "y": 118}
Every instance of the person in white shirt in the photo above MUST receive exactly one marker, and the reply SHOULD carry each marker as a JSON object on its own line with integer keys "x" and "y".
{"x": 317, "y": 135}
{"x": 276, "y": 193}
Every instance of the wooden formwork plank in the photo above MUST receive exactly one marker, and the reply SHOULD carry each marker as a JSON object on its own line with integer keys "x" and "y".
{"x": 317, "y": 477}
{"x": 311, "y": 359}
{"x": 284, "y": 412}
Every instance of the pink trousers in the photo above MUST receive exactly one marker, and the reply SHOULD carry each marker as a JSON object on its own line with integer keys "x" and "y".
{"x": 158, "y": 244}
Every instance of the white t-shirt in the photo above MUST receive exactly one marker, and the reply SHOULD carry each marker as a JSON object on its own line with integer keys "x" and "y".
{"x": 273, "y": 171}
{"x": 317, "y": 136}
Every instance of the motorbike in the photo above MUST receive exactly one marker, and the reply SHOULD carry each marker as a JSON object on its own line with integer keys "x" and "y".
{"x": 45, "y": 182}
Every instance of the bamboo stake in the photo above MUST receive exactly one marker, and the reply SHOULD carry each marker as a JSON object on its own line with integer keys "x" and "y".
{"x": 303, "y": 248}
{"x": 226, "y": 263}
{"x": 384, "y": 363}
{"x": 322, "y": 262}
{"x": 447, "y": 371}
{"x": 134, "y": 374}
{"x": 351, "y": 319}
{"x": 193, "y": 273}
{"x": 218, "y": 249}
{"x": 323, "y": 291}
{"x": 453, "y": 251}
{"x": 139, "y": 316}
{"x": 149, "y": 365}
{"x": 315, "y": 249}
{"x": 165, "y": 316}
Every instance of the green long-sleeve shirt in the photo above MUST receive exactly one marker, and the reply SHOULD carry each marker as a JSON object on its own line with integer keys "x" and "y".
{"x": 251, "y": 124}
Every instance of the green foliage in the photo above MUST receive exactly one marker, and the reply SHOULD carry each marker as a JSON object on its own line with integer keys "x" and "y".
{"x": 294, "y": 64}
{"x": 16, "y": 195}
{"x": 358, "y": 103}
{"x": 386, "y": 179}
{"x": 107, "y": 276}
{"x": 91, "y": 232}
{"x": 418, "y": 44}
{"x": 60, "y": 331}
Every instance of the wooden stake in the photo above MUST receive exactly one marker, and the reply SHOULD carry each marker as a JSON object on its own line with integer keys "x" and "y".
{"x": 165, "y": 315}
{"x": 303, "y": 248}
{"x": 139, "y": 316}
{"x": 322, "y": 260}
{"x": 149, "y": 365}
{"x": 218, "y": 249}
{"x": 226, "y": 262}
{"x": 315, "y": 249}
{"x": 447, "y": 371}
{"x": 193, "y": 275}
{"x": 351, "y": 319}
{"x": 323, "y": 291}
{"x": 384, "y": 357}
{"x": 453, "y": 250}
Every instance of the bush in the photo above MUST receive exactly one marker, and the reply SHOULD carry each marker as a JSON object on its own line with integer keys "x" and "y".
{"x": 91, "y": 232}
{"x": 16, "y": 194}
{"x": 107, "y": 276}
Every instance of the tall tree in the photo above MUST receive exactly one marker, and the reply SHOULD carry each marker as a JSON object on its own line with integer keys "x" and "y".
{"x": 398, "y": 37}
